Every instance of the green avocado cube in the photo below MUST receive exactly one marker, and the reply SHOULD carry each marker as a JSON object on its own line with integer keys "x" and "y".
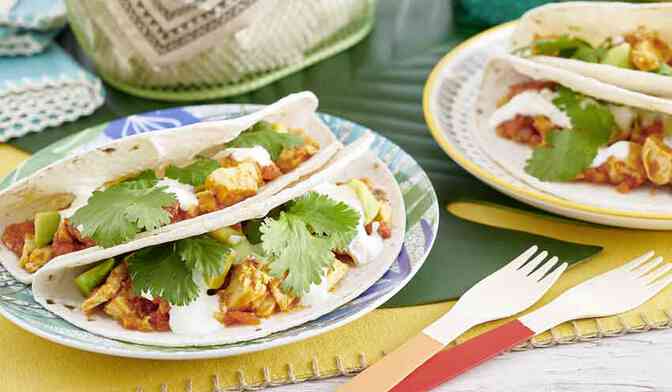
{"x": 92, "y": 278}
{"x": 222, "y": 235}
{"x": 618, "y": 56}
{"x": 369, "y": 202}
{"x": 46, "y": 224}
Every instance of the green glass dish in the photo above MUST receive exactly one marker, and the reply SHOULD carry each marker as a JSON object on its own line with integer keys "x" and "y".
{"x": 343, "y": 39}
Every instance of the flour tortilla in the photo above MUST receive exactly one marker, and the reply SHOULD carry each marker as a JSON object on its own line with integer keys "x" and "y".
{"x": 53, "y": 286}
{"x": 55, "y": 186}
{"x": 501, "y": 73}
{"x": 594, "y": 22}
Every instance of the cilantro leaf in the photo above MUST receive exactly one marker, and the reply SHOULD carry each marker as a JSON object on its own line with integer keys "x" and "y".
{"x": 204, "y": 254}
{"x": 193, "y": 174}
{"x": 299, "y": 241}
{"x": 587, "y": 115}
{"x": 262, "y": 134}
{"x": 568, "y": 154}
{"x": 160, "y": 271}
{"x": 327, "y": 217}
{"x": 119, "y": 213}
{"x": 145, "y": 180}
{"x": 296, "y": 252}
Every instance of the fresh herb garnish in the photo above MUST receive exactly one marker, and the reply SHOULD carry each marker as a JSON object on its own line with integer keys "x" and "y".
{"x": 167, "y": 270}
{"x": 570, "y": 151}
{"x": 204, "y": 254}
{"x": 117, "y": 214}
{"x": 262, "y": 134}
{"x": 145, "y": 180}
{"x": 193, "y": 174}
{"x": 298, "y": 243}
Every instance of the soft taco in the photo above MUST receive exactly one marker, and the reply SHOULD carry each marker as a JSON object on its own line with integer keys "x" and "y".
{"x": 302, "y": 253}
{"x": 628, "y": 45}
{"x": 180, "y": 180}
{"x": 576, "y": 137}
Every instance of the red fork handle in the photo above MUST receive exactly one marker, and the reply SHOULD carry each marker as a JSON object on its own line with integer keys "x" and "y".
{"x": 450, "y": 363}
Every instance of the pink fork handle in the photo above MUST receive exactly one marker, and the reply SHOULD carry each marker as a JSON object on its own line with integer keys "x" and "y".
{"x": 449, "y": 364}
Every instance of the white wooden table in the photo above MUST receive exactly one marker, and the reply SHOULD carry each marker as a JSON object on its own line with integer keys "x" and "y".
{"x": 633, "y": 363}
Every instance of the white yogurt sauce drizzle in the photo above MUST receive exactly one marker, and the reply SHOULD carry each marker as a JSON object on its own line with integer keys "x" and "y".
{"x": 197, "y": 317}
{"x": 619, "y": 150}
{"x": 183, "y": 192}
{"x": 531, "y": 103}
{"x": 363, "y": 247}
{"x": 317, "y": 294}
{"x": 256, "y": 154}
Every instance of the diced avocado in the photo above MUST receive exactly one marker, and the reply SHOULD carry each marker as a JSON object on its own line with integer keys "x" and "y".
{"x": 370, "y": 205}
{"x": 46, "y": 224}
{"x": 223, "y": 234}
{"x": 665, "y": 70}
{"x": 385, "y": 213}
{"x": 92, "y": 278}
{"x": 217, "y": 281}
{"x": 244, "y": 249}
{"x": 618, "y": 56}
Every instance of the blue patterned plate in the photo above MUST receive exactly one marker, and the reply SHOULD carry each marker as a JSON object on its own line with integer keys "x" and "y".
{"x": 422, "y": 217}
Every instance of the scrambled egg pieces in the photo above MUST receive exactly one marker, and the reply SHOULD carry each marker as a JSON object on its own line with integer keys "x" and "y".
{"x": 649, "y": 52}
{"x": 236, "y": 181}
{"x": 252, "y": 293}
{"x": 119, "y": 302}
{"x": 232, "y": 184}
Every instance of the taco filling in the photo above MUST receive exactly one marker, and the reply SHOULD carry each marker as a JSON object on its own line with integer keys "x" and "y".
{"x": 641, "y": 50}
{"x": 578, "y": 138}
{"x": 238, "y": 275}
{"x": 121, "y": 209}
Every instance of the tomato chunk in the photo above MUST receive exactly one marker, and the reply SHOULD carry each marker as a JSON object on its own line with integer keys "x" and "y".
{"x": 15, "y": 236}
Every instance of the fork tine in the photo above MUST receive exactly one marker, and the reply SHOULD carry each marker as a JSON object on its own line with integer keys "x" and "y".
{"x": 648, "y": 267}
{"x": 522, "y": 259}
{"x": 534, "y": 263}
{"x": 631, "y": 265}
{"x": 660, "y": 272}
{"x": 550, "y": 279}
{"x": 541, "y": 271}
{"x": 661, "y": 284}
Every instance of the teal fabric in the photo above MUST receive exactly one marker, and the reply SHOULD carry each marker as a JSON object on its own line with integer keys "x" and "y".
{"x": 35, "y": 14}
{"x": 40, "y": 85}
{"x": 29, "y": 26}
{"x": 24, "y": 42}
{"x": 44, "y": 90}
{"x": 28, "y": 72}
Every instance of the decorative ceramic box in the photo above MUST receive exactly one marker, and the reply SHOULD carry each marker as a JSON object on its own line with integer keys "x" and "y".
{"x": 200, "y": 49}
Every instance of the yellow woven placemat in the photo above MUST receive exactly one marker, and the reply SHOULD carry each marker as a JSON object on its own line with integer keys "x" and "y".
{"x": 33, "y": 363}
